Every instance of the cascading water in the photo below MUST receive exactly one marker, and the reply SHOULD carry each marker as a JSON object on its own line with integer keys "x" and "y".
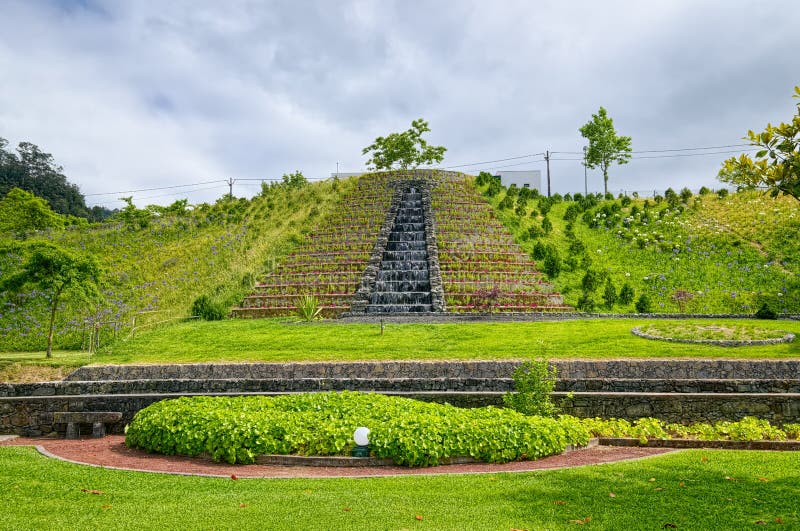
{"x": 403, "y": 282}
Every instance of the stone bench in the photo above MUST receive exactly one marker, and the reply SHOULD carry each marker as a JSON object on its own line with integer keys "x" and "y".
{"x": 97, "y": 419}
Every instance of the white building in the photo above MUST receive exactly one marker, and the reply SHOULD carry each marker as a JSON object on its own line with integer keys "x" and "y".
{"x": 523, "y": 179}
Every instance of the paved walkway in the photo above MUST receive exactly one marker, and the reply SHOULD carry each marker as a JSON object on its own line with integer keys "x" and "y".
{"x": 111, "y": 452}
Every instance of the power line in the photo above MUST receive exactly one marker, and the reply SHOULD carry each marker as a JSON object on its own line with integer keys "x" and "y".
{"x": 158, "y": 188}
{"x": 472, "y": 164}
{"x": 691, "y": 149}
{"x": 169, "y": 194}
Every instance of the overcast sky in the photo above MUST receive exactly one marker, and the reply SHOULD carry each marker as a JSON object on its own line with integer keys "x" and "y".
{"x": 144, "y": 94}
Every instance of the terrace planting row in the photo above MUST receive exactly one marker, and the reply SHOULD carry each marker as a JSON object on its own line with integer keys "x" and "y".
{"x": 482, "y": 269}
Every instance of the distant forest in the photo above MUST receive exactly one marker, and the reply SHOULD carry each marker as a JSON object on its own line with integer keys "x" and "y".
{"x": 35, "y": 171}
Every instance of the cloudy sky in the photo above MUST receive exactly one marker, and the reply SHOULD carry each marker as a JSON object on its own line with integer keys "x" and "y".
{"x": 130, "y": 95}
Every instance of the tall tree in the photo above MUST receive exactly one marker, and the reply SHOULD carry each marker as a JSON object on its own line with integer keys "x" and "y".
{"x": 56, "y": 272}
{"x": 777, "y": 164}
{"x": 406, "y": 150}
{"x": 605, "y": 147}
{"x": 35, "y": 171}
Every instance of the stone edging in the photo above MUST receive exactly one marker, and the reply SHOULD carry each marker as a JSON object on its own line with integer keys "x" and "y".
{"x": 357, "y": 462}
{"x": 788, "y": 446}
{"x": 788, "y": 338}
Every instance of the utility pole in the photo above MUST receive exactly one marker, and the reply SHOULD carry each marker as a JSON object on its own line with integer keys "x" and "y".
{"x": 337, "y": 169}
{"x": 585, "y": 182}
{"x": 230, "y": 188}
{"x": 547, "y": 159}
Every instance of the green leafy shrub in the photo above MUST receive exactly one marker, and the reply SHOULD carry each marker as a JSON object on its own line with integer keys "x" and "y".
{"x": 534, "y": 381}
{"x": 208, "y": 309}
{"x": 643, "y": 304}
{"x": 626, "y": 294}
{"x": 766, "y": 312}
{"x": 410, "y": 432}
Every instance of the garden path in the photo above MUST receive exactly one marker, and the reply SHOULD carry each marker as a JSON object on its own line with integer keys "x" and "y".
{"x": 111, "y": 452}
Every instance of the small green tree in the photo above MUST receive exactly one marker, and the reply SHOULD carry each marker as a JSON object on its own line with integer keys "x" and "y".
{"x": 406, "y": 150}
{"x": 294, "y": 180}
{"x": 134, "y": 218}
{"x": 777, "y": 164}
{"x": 605, "y": 147}
{"x": 609, "y": 293}
{"x": 626, "y": 294}
{"x": 534, "y": 381}
{"x": 56, "y": 272}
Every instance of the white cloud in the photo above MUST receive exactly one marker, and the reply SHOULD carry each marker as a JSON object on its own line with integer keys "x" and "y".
{"x": 131, "y": 95}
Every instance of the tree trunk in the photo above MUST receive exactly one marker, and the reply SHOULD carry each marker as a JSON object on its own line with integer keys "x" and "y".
{"x": 605, "y": 181}
{"x": 53, "y": 308}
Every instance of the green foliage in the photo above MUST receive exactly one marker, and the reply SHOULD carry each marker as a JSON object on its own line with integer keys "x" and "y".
{"x": 547, "y": 225}
{"x": 552, "y": 262}
{"x": 411, "y": 433}
{"x": 22, "y": 212}
{"x": 644, "y": 429}
{"x": 643, "y": 304}
{"x": 605, "y": 147}
{"x": 610, "y": 293}
{"x": 134, "y": 218}
{"x": 766, "y": 312}
{"x": 626, "y": 294}
{"x": 406, "y": 150}
{"x": 308, "y": 308}
{"x": 534, "y": 381}
{"x": 777, "y": 164}
{"x": 56, "y": 272}
{"x": 294, "y": 180}
{"x": 208, "y": 309}
{"x": 35, "y": 171}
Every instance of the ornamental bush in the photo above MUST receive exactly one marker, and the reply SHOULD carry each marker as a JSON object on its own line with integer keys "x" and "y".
{"x": 410, "y": 432}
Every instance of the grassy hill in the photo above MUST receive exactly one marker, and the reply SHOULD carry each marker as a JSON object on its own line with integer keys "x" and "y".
{"x": 154, "y": 273}
{"x": 695, "y": 254}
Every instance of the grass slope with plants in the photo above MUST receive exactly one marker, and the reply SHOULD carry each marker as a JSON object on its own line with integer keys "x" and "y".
{"x": 698, "y": 489}
{"x": 681, "y": 253}
{"x": 166, "y": 263}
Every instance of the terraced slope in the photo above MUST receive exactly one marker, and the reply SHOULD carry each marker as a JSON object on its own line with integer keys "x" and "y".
{"x": 330, "y": 262}
{"x": 482, "y": 269}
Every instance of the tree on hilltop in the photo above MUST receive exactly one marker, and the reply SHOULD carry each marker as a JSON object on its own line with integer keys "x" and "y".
{"x": 407, "y": 149}
{"x": 605, "y": 147}
{"x": 777, "y": 164}
{"x": 35, "y": 171}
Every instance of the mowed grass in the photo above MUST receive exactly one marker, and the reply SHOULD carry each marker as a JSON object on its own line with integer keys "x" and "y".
{"x": 276, "y": 340}
{"x": 36, "y": 367}
{"x": 700, "y": 489}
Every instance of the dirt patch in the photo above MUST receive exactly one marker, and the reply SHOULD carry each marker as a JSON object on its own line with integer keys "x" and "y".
{"x": 20, "y": 373}
{"x": 111, "y": 452}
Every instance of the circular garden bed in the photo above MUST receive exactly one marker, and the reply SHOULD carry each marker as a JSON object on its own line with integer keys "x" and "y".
{"x": 727, "y": 335}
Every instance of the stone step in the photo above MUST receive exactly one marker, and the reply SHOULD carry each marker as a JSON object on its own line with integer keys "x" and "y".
{"x": 398, "y": 308}
{"x": 394, "y": 298}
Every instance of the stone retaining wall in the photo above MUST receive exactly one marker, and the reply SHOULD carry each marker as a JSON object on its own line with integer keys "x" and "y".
{"x": 649, "y": 369}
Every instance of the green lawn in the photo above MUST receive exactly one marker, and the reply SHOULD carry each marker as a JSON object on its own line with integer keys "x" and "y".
{"x": 275, "y": 340}
{"x": 692, "y": 490}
